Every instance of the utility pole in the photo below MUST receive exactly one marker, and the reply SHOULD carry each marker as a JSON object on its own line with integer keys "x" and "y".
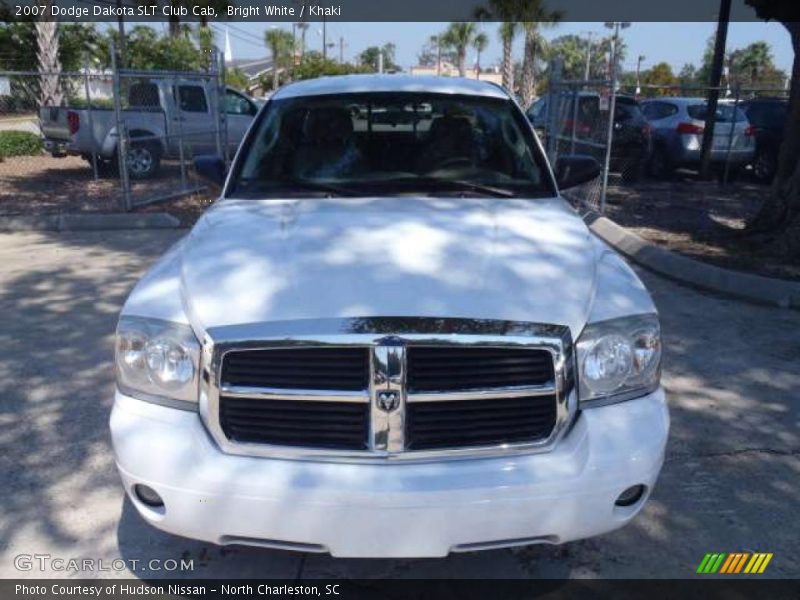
{"x": 713, "y": 84}
{"x": 638, "y": 71}
{"x": 587, "y": 72}
{"x": 341, "y": 50}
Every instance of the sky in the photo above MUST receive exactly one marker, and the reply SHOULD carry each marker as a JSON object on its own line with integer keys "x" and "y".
{"x": 674, "y": 43}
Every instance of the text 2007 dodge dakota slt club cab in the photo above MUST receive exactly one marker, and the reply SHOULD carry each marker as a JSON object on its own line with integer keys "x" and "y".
{"x": 390, "y": 337}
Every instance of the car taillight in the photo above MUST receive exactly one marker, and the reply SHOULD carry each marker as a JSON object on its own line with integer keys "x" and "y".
{"x": 74, "y": 122}
{"x": 581, "y": 128}
{"x": 689, "y": 128}
{"x": 750, "y": 131}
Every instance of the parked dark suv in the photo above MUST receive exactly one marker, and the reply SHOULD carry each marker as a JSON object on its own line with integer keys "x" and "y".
{"x": 631, "y": 145}
{"x": 768, "y": 119}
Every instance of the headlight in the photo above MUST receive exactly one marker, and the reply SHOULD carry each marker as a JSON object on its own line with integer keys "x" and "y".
{"x": 619, "y": 359}
{"x": 157, "y": 360}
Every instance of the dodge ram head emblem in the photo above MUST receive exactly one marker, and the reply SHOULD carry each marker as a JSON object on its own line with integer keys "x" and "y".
{"x": 388, "y": 401}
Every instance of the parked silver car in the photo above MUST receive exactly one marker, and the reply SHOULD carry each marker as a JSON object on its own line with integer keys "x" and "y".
{"x": 678, "y": 124}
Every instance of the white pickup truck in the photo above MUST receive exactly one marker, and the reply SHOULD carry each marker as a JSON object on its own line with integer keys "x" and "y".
{"x": 393, "y": 341}
{"x": 158, "y": 115}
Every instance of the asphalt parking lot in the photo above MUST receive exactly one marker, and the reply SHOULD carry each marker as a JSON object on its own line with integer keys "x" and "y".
{"x": 730, "y": 482}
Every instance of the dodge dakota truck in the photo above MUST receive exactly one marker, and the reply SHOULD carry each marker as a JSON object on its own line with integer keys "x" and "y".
{"x": 394, "y": 341}
{"x": 159, "y": 115}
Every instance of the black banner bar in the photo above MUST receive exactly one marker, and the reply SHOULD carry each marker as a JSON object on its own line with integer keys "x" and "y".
{"x": 371, "y": 10}
{"x": 734, "y": 587}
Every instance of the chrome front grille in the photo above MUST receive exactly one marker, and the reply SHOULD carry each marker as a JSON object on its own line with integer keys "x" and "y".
{"x": 388, "y": 388}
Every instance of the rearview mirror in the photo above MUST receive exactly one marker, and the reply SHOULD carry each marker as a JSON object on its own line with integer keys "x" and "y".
{"x": 211, "y": 168}
{"x": 575, "y": 169}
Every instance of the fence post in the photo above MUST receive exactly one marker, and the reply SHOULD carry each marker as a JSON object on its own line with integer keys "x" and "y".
{"x": 89, "y": 115}
{"x": 551, "y": 118}
{"x": 575, "y": 100}
{"x": 122, "y": 141}
{"x": 223, "y": 113}
{"x": 217, "y": 85}
{"x": 610, "y": 138}
{"x": 726, "y": 173}
{"x": 179, "y": 121}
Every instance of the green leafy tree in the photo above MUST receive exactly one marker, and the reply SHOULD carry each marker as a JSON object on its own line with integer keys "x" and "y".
{"x": 236, "y": 78}
{"x": 460, "y": 36}
{"x": 370, "y": 57}
{"x": 687, "y": 75}
{"x": 753, "y": 66}
{"x": 659, "y": 75}
{"x": 280, "y": 44}
{"x": 508, "y": 13}
{"x": 315, "y": 65}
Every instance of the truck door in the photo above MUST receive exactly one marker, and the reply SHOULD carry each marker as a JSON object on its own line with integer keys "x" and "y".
{"x": 192, "y": 119}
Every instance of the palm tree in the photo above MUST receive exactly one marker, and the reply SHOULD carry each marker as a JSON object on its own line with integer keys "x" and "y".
{"x": 508, "y": 31}
{"x": 47, "y": 53}
{"x": 534, "y": 15}
{"x": 480, "y": 43}
{"x": 508, "y": 12}
{"x": 303, "y": 27}
{"x": 460, "y": 36}
{"x": 279, "y": 42}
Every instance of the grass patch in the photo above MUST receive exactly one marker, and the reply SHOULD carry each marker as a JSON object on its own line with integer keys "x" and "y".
{"x": 19, "y": 143}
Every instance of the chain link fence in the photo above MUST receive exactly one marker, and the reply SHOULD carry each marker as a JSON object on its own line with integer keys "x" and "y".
{"x": 109, "y": 140}
{"x": 656, "y": 132}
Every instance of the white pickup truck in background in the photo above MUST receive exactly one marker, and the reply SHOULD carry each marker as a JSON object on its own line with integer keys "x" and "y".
{"x": 158, "y": 115}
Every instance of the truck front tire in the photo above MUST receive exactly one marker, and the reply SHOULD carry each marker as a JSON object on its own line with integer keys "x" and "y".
{"x": 143, "y": 160}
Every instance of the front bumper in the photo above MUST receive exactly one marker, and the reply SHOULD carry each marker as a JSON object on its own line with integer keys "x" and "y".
{"x": 390, "y": 510}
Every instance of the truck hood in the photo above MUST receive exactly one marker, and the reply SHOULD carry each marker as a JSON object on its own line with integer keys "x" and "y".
{"x": 249, "y": 261}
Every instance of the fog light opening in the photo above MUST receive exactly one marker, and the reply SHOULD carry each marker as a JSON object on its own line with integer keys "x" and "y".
{"x": 630, "y": 496}
{"x": 148, "y": 496}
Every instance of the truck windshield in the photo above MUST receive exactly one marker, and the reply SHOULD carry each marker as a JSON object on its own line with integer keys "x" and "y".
{"x": 392, "y": 143}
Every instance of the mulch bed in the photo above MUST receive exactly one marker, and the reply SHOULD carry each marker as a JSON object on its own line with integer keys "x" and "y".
{"x": 699, "y": 219}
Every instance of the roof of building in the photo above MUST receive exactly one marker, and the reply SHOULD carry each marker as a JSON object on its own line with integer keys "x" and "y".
{"x": 251, "y": 67}
{"x": 348, "y": 84}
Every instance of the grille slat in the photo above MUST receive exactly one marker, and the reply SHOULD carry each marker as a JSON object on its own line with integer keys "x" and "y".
{"x": 336, "y": 425}
{"x": 330, "y": 368}
{"x": 445, "y": 369}
{"x": 479, "y": 422}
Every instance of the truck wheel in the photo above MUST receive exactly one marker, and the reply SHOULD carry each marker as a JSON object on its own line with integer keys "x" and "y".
{"x": 143, "y": 160}
{"x": 764, "y": 167}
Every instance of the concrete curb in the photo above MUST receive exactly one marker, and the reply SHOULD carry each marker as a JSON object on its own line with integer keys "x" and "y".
{"x": 89, "y": 222}
{"x": 753, "y": 288}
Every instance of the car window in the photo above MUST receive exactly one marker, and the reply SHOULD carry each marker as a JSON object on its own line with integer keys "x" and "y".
{"x": 626, "y": 112}
{"x": 393, "y": 142}
{"x": 725, "y": 113}
{"x": 658, "y": 110}
{"x": 236, "y": 104}
{"x": 192, "y": 98}
{"x": 143, "y": 95}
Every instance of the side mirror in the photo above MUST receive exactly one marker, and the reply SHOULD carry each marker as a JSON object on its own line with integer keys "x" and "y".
{"x": 211, "y": 168}
{"x": 575, "y": 169}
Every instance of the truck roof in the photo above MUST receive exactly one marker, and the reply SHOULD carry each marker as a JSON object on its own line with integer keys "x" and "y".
{"x": 349, "y": 84}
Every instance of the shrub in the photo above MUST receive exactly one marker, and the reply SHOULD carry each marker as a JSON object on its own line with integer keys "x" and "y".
{"x": 19, "y": 143}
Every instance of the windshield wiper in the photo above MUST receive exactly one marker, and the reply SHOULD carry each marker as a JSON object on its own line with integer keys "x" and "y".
{"x": 457, "y": 185}
{"x": 303, "y": 184}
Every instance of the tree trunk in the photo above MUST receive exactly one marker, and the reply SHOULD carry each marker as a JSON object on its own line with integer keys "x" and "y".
{"x": 526, "y": 91}
{"x": 274, "y": 74}
{"x": 462, "y": 62}
{"x": 174, "y": 25}
{"x": 47, "y": 54}
{"x": 508, "y": 64}
{"x": 778, "y": 220}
